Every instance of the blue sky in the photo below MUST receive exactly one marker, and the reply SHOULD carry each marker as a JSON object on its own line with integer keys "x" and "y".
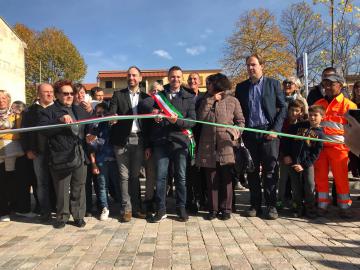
{"x": 114, "y": 34}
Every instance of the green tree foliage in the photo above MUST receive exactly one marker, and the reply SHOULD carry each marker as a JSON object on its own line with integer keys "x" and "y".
{"x": 54, "y": 52}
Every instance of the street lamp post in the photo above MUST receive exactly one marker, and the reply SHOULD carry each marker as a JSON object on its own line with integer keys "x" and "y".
{"x": 332, "y": 32}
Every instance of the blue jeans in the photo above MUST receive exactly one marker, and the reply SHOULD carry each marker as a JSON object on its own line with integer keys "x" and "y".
{"x": 162, "y": 155}
{"x": 108, "y": 172}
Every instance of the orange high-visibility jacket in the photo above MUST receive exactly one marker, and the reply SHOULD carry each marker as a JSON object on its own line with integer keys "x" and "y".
{"x": 334, "y": 120}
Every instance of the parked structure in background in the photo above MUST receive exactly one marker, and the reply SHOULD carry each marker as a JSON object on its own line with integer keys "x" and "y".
{"x": 117, "y": 79}
{"x": 12, "y": 62}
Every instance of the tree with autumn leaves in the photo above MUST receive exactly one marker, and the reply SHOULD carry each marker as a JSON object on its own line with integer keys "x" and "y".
{"x": 50, "y": 56}
{"x": 257, "y": 32}
{"x": 302, "y": 30}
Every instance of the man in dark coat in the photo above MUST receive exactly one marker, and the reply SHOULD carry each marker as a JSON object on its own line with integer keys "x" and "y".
{"x": 264, "y": 107}
{"x": 170, "y": 142}
{"x": 129, "y": 138}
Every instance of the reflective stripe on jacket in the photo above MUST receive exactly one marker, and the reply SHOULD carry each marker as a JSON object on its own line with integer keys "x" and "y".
{"x": 334, "y": 120}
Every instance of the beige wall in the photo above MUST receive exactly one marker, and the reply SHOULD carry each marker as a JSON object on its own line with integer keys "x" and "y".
{"x": 120, "y": 83}
{"x": 12, "y": 63}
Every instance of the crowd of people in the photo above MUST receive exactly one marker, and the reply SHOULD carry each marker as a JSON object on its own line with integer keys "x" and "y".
{"x": 63, "y": 165}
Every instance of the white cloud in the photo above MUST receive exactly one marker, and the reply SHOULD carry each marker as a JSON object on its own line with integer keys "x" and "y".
{"x": 181, "y": 44}
{"x": 163, "y": 54}
{"x": 195, "y": 50}
{"x": 95, "y": 54}
{"x": 207, "y": 32}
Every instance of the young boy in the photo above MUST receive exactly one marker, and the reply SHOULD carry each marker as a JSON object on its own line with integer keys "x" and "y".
{"x": 301, "y": 156}
{"x": 296, "y": 112}
{"x": 102, "y": 160}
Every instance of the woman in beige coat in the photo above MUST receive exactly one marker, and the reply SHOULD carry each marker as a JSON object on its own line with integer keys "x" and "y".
{"x": 215, "y": 150}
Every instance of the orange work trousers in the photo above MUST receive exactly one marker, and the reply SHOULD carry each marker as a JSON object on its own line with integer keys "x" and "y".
{"x": 337, "y": 159}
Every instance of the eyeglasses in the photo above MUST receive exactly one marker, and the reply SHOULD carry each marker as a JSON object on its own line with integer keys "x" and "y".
{"x": 66, "y": 94}
{"x": 287, "y": 83}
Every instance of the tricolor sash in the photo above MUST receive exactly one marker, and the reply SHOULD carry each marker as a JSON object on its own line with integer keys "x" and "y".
{"x": 169, "y": 109}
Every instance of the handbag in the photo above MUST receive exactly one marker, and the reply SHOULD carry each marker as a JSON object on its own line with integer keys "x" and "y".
{"x": 66, "y": 160}
{"x": 243, "y": 160}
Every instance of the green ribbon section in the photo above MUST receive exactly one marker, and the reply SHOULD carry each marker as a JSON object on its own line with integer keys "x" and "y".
{"x": 148, "y": 116}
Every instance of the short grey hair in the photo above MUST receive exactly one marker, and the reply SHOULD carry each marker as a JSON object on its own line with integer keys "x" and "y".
{"x": 7, "y": 94}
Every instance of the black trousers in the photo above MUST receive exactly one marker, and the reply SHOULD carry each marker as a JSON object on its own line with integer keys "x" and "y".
{"x": 265, "y": 154}
{"x": 219, "y": 186}
{"x": 73, "y": 202}
{"x": 195, "y": 185}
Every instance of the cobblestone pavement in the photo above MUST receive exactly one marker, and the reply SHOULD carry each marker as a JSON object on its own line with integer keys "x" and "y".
{"x": 239, "y": 243}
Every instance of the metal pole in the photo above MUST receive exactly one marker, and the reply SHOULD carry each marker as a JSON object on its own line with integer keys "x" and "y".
{"x": 40, "y": 79}
{"x": 332, "y": 32}
{"x": 306, "y": 74}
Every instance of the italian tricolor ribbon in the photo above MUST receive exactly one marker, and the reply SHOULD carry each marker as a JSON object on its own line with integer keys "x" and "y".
{"x": 169, "y": 109}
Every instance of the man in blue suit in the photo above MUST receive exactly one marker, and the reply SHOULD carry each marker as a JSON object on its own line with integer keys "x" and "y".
{"x": 263, "y": 105}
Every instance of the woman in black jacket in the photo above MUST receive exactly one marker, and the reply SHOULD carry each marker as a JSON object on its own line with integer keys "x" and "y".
{"x": 66, "y": 155}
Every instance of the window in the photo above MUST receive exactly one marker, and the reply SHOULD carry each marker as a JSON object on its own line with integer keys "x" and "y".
{"x": 108, "y": 84}
{"x": 160, "y": 81}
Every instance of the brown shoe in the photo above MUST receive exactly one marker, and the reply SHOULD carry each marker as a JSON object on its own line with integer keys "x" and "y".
{"x": 138, "y": 214}
{"x": 126, "y": 217}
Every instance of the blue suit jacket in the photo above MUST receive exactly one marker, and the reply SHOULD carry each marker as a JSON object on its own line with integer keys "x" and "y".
{"x": 272, "y": 100}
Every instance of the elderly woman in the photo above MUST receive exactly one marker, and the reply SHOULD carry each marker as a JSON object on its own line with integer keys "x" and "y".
{"x": 215, "y": 150}
{"x": 66, "y": 155}
{"x": 10, "y": 150}
{"x": 291, "y": 86}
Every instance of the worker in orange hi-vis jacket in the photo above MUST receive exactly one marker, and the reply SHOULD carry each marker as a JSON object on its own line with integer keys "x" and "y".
{"x": 335, "y": 155}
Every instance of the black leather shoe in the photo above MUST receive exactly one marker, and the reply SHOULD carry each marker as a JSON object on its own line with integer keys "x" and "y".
{"x": 45, "y": 218}
{"x": 79, "y": 223}
{"x": 225, "y": 216}
{"x": 59, "y": 224}
{"x": 211, "y": 216}
{"x": 183, "y": 216}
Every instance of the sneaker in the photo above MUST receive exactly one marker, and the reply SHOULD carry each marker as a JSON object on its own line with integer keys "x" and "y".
{"x": 183, "y": 216}
{"x": 346, "y": 213}
{"x": 79, "y": 223}
{"x": 210, "y": 216}
{"x": 104, "y": 214}
{"x": 27, "y": 215}
{"x": 252, "y": 212}
{"x": 272, "y": 213}
{"x": 5, "y": 218}
{"x": 59, "y": 224}
{"x": 126, "y": 217}
{"x": 159, "y": 216}
{"x": 239, "y": 186}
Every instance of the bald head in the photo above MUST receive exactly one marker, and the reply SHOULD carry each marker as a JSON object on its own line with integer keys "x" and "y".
{"x": 45, "y": 94}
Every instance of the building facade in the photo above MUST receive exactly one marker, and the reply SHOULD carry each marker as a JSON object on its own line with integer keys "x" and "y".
{"x": 12, "y": 62}
{"x": 115, "y": 80}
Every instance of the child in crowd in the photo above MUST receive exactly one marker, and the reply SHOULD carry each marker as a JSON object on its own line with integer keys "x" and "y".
{"x": 299, "y": 156}
{"x": 296, "y": 112}
{"x": 102, "y": 160}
